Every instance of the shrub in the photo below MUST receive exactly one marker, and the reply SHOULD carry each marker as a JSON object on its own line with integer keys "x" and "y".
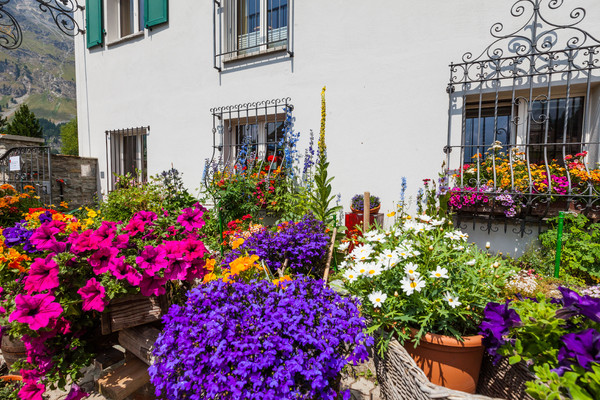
{"x": 257, "y": 341}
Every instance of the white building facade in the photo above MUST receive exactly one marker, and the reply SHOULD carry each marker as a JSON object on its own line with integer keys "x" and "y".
{"x": 150, "y": 75}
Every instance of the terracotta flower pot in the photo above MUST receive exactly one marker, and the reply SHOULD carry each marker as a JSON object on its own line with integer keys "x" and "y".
{"x": 373, "y": 210}
{"x": 12, "y": 350}
{"x": 448, "y": 362}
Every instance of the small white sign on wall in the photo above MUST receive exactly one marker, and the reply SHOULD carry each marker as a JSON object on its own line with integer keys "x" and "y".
{"x": 15, "y": 163}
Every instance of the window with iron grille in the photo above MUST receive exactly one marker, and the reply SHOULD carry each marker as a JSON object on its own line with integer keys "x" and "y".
{"x": 521, "y": 123}
{"x": 248, "y": 27}
{"x": 126, "y": 153}
{"x": 253, "y": 131}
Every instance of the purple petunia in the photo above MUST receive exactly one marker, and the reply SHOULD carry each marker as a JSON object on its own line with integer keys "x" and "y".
{"x": 497, "y": 321}
{"x": 582, "y": 348}
{"x": 574, "y": 304}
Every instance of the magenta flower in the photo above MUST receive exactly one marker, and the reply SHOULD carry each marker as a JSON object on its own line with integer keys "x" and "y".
{"x": 135, "y": 226}
{"x": 76, "y": 393}
{"x": 191, "y": 219}
{"x": 43, "y": 237}
{"x": 121, "y": 241}
{"x": 196, "y": 270}
{"x": 124, "y": 271}
{"x": 145, "y": 216}
{"x": 106, "y": 233}
{"x": 93, "y": 295}
{"x": 85, "y": 241}
{"x": 152, "y": 286}
{"x": 37, "y": 310}
{"x": 195, "y": 248}
{"x": 43, "y": 275}
{"x": 32, "y": 391}
{"x": 152, "y": 259}
{"x": 101, "y": 259}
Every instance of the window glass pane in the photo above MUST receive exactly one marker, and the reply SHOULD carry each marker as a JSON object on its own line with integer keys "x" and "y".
{"x": 248, "y": 23}
{"x": 277, "y": 19}
{"x": 141, "y": 22}
{"x": 126, "y": 17}
{"x": 552, "y": 114}
{"x": 246, "y": 138}
{"x": 479, "y": 132}
{"x": 275, "y": 133}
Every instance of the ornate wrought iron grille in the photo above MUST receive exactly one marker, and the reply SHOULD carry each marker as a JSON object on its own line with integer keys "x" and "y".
{"x": 28, "y": 166}
{"x": 11, "y": 35}
{"x": 245, "y": 28}
{"x": 526, "y": 123}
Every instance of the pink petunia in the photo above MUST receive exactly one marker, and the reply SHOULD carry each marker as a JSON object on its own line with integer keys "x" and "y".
{"x": 197, "y": 270}
{"x": 135, "y": 226}
{"x": 191, "y": 219}
{"x": 43, "y": 275}
{"x": 85, "y": 242}
{"x": 93, "y": 295}
{"x": 105, "y": 233}
{"x": 100, "y": 260}
{"x": 121, "y": 241}
{"x": 43, "y": 237}
{"x": 194, "y": 247}
{"x": 120, "y": 270}
{"x": 152, "y": 259}
{"x": 152, "y": 286}
{"x": 37, "y": 310}
{"x": 32, "y": 391}
{"x": 76, "y": 393}
{"x": 145, "y": 216}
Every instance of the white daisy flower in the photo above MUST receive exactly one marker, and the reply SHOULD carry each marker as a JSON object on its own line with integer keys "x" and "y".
{"x": 360, "y": 268}
{"x": 424, "y": 218}
{"x": 415, "y": 253}
{"x": 362, "y": 253}
{"x": 373, "y": 269}
{"x": 351, "y": 275}
{"x": 452, "y": 299}
{"x": 437, "y": 222}
{"x": 410, "y": 285}
{"x": 411, "y": 269}
{"x": 471, "y": 262}
{"x": 377, "y": 298}
{"x": 344, "y": 246}
{"x": 379, "y": 238}
{"x": 388, "y": 258}
{"x": 439, "y": 273}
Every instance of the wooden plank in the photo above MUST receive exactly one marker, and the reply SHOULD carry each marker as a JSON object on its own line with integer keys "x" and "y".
{"x": 125, "y": 380}
{"x": 109, "y": 357}
{"x": 140, "y": 340}
{"x": 129, "y": 311}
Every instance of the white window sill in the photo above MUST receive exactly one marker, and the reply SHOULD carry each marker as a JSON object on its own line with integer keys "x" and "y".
{"x": 239, "y": 57}
{"x": 125, "y": 38}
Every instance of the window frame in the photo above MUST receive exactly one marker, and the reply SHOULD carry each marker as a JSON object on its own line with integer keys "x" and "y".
{"x": 114, "y": 20}
{"x": 118, "y": 143}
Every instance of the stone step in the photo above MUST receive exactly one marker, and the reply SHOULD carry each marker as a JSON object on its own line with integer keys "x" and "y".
{"x": 124, "y": 380}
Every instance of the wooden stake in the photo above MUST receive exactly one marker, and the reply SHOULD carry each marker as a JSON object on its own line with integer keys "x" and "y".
{"x": 367, "y": 212}
{"x": 329, "y": 256}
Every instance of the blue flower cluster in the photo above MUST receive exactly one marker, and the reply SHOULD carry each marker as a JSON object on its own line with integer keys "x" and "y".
{"x": 303, "y": 244}
{"x": 258, "y": 341}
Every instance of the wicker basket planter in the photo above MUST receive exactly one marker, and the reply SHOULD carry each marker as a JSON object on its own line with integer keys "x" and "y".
{"x": 401, "y": 379}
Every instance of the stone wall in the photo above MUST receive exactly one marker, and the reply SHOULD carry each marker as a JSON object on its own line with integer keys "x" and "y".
{"x": 74, "y": 180}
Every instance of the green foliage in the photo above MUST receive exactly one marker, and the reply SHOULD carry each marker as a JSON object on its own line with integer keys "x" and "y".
{"x": 175, "y": 195}
{"x": 9, "y": 389}
{"x": 321, "y": 199}
{"x": 577, "y": 384}
{"x": 580, "y": 254}
{"x": 25, "y": 123}
{"x": 69, "y": 138}
{"x": 3, "y": 124}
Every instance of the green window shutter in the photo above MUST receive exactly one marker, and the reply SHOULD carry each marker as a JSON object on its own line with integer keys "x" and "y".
{"x": 156, "y": 12}
{"x": 93, "y": 23}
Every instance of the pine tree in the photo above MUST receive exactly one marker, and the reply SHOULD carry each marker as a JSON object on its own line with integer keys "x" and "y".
{"x": 25, "y": 124}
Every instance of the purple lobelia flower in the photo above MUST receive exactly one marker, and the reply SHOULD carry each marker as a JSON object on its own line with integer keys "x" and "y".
{"x": 496, "y": 324}
{"x": 258, "y": 341}
{"x": 582, "y": 348}
{"x": 574, "y": 304}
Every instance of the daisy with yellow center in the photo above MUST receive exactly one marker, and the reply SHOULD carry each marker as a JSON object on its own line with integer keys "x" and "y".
{"x": 409, "y": 286}
{"x": 452, "y": 300}
{"x": 439, "y": 273}
{"x": 377, "y": 298}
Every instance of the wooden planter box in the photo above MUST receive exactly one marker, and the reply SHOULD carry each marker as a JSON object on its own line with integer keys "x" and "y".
{"x": 134, "y": 310}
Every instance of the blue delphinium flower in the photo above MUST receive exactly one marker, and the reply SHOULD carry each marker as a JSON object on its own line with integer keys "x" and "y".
{"x": 258, "y": 341}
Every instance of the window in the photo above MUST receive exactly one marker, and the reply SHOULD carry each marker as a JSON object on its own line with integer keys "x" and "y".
{"x": 124, "y": 18}
{"x": 479, "y": 129}
{"x": 255, "y": 131}
{"x": 247, "y": 27}
{"x": 126, "y": 153}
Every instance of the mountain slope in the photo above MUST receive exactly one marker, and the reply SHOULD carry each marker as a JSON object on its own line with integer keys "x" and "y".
{"x": 41, "y": 73}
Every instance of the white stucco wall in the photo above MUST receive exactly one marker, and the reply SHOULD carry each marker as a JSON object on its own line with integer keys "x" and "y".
{"x": 385, "y": 65}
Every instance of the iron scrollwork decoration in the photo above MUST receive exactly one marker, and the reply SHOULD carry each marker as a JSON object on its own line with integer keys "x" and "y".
{"x": 62, "y": 14}
{"x": 523, "y": 70}
{"x": 11, "y": 34}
